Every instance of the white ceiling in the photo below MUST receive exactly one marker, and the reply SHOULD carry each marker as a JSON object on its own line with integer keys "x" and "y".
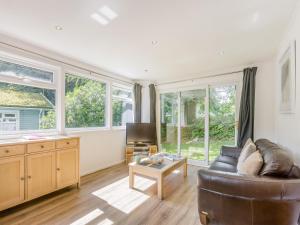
{"x": 190, "y": 33}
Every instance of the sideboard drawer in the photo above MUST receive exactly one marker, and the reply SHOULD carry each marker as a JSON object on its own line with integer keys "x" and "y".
{"x": 67, "y": 143}
{"x": 40, "y": 146}
{"x": 11, "y": 150}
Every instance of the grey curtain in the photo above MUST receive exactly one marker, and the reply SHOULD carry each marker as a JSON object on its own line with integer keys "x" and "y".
{"x": 152, "y": 95}
{"x": 137, "y": 92}
{"x": 246, "y": 117}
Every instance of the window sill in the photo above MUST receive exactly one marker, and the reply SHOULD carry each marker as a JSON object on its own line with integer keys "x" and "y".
{"x": 96, "y": 129}
{"x": 119, "y": 128}
{"x": 83, "y": 130}
{"x": 21, "y": 134}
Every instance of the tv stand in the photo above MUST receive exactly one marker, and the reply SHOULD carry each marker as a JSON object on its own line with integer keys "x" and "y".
{"x": 139, "y": 149}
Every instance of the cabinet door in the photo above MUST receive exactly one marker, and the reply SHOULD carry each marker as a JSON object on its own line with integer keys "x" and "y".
{"x": 11, "y": 181}
{"x": 67, "y": 167}
{"x": 41, "y": 171}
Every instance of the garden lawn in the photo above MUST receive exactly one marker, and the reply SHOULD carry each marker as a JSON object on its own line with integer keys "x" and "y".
{"x": 196, "y": 150}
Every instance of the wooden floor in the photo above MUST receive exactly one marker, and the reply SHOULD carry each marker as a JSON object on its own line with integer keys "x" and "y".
{"x": 104, "y": 199}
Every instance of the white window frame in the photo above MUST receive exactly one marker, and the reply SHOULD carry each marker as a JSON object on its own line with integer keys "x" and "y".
{"x": 33, "y": 64}
{"x": 59, "y": 71}
{"x": 4, "y": 56}
{"x": 126, "y": 88}
{"x": 89, "y": 76}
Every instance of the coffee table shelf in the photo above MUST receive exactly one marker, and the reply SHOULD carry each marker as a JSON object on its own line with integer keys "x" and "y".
{"x": 156, "y": 172}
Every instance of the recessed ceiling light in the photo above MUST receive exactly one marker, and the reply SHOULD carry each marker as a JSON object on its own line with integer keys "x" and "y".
{"x": 146, "y": 70}
{"x": 58, "y": 27}
{"x": 255, "y": 17}
{"x": 154, "y": 42}
{"x": 108, "y": 12}
{"x": 221, "y": 52}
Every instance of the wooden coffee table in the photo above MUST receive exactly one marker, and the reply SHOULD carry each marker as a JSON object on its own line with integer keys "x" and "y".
{"x": 156, "y": 172}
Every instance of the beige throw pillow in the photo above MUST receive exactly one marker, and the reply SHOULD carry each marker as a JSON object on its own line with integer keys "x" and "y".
{"x": 249, "y": 141}
{"x": 252, "y": 165}
{"x": 247, "y": 150}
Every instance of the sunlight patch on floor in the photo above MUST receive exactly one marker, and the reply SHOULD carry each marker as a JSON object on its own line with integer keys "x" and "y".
{"x": 88, "y": 217}
{"x": 120, "y": 196}
{"x": 106, "y": 222}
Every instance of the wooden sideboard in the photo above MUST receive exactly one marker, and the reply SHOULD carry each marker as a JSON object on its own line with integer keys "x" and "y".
{"x": 32, "y": 168}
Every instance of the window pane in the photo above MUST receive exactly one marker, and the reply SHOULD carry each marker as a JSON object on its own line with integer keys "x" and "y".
{"x": 168, "y": 122}
{"x": 20, "y": 71}
{"x": 26, "y": 108}
{"x": 122, "y": 93}
{"x": 121, "y": 106}
{"x": 192, "y": 125}
{"x": 221, "y": 119}
{"x": 85, "y": 102}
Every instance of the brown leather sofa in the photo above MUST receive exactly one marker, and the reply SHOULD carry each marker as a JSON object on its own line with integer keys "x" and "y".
{"x": 272, "y": 198}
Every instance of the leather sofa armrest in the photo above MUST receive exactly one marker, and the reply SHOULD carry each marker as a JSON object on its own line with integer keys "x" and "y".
{"x": 235, "y": 185}
{"x": 230, "y": 151}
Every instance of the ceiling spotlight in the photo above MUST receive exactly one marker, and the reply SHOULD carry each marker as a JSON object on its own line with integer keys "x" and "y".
{"x": 58, "y": 27}
{"x": 154, "y": 42}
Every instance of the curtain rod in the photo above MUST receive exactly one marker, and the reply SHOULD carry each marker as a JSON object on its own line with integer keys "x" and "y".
{"x": 62, "y": 62}
{"x": 191, "y": 79}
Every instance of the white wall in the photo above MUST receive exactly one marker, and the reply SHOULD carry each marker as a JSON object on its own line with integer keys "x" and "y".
{"x": 99, "y": 149}
{"x": 287, "y": 126}
{"x": 264, "y": 122}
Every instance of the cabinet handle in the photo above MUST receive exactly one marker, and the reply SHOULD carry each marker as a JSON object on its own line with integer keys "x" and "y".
{"x": 22, "y": 178}
{"x": 29, "y": 177}
{"x": 6, "y": 151}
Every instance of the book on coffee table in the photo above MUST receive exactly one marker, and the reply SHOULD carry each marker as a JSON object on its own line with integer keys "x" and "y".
{"x": 172, "y": 157}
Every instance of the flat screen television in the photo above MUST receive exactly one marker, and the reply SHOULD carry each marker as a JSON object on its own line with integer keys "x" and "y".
{"x": 140, "y": 133}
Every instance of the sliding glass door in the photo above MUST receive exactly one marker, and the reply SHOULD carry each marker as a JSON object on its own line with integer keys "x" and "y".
{"x": 222, "y": 117}
{"x": 196, "y": 123}
{"x": 169, "y": 125}
{"x": 192, "y": 124}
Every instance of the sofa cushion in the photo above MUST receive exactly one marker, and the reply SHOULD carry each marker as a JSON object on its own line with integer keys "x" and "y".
{"x": 233, "y": 152}
{"x": 226, "y": 164}
{"x": 252, "y": 165}
{"x": 248, "y": 149}
{"x": 227, "y": 159}
{"x": 277, "y": 162}
{"x": 249, "y": 141}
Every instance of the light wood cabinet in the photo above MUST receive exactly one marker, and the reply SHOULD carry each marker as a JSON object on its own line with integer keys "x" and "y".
{"x": 67, "y": 167}
{"x": 30, "y": 169}
{"x": 12, "y": 150}
{"x": 41, "y": 174}
{"x": 11, "y": 181}
{"x": 40, "y": 146}
{"x": 67, "y": 143}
